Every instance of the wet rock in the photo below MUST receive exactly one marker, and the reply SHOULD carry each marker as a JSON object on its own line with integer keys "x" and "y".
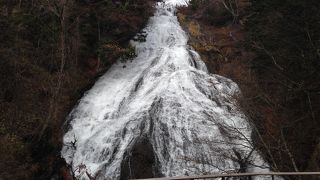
{"x": 140, "y": 161}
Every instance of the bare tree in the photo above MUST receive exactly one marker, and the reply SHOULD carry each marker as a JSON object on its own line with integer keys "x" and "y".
{"x": 232, "y": 7}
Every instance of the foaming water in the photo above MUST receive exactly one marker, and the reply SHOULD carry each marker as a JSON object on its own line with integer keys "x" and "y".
{"x": 166, "y": 97}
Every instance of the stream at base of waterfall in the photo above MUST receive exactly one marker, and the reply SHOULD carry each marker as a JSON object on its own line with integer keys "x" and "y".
{"x": 160, "y": 115}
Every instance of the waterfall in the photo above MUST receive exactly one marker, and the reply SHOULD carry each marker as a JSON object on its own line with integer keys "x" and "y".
{"x": 162, "y": 114}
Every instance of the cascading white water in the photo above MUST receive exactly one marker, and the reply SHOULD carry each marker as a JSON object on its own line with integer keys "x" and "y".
{"x": 166, "y": 96}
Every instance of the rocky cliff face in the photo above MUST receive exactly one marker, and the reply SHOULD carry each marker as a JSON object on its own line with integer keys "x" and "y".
{"x": 165, "y": 106}
{"x": 218, "y": 36}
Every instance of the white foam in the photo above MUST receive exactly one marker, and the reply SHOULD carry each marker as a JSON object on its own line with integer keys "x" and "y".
{"x": 166, "y": 95}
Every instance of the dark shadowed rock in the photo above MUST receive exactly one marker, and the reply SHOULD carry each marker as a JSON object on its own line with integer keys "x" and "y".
{"x": 140, "y": 161}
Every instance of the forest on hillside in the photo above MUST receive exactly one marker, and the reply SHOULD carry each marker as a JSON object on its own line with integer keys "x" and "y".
{"x": 271, "y": 49}
{"x": 51, "y": 52}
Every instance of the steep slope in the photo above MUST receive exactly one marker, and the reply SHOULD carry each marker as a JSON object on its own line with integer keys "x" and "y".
{"x": 47, "y": 60}
{"x": 270, "y": 49}
{"x": 163, "y": 104}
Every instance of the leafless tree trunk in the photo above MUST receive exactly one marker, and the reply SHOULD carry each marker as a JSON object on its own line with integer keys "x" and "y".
{"x": 60, "y": 9}
{"x": 287, "y": 150}
{"x": 232, "y": 7}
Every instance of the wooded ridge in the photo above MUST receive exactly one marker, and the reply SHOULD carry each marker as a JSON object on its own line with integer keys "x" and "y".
{"x": 50, "y": 53}
{"x": 271, "y": 49}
